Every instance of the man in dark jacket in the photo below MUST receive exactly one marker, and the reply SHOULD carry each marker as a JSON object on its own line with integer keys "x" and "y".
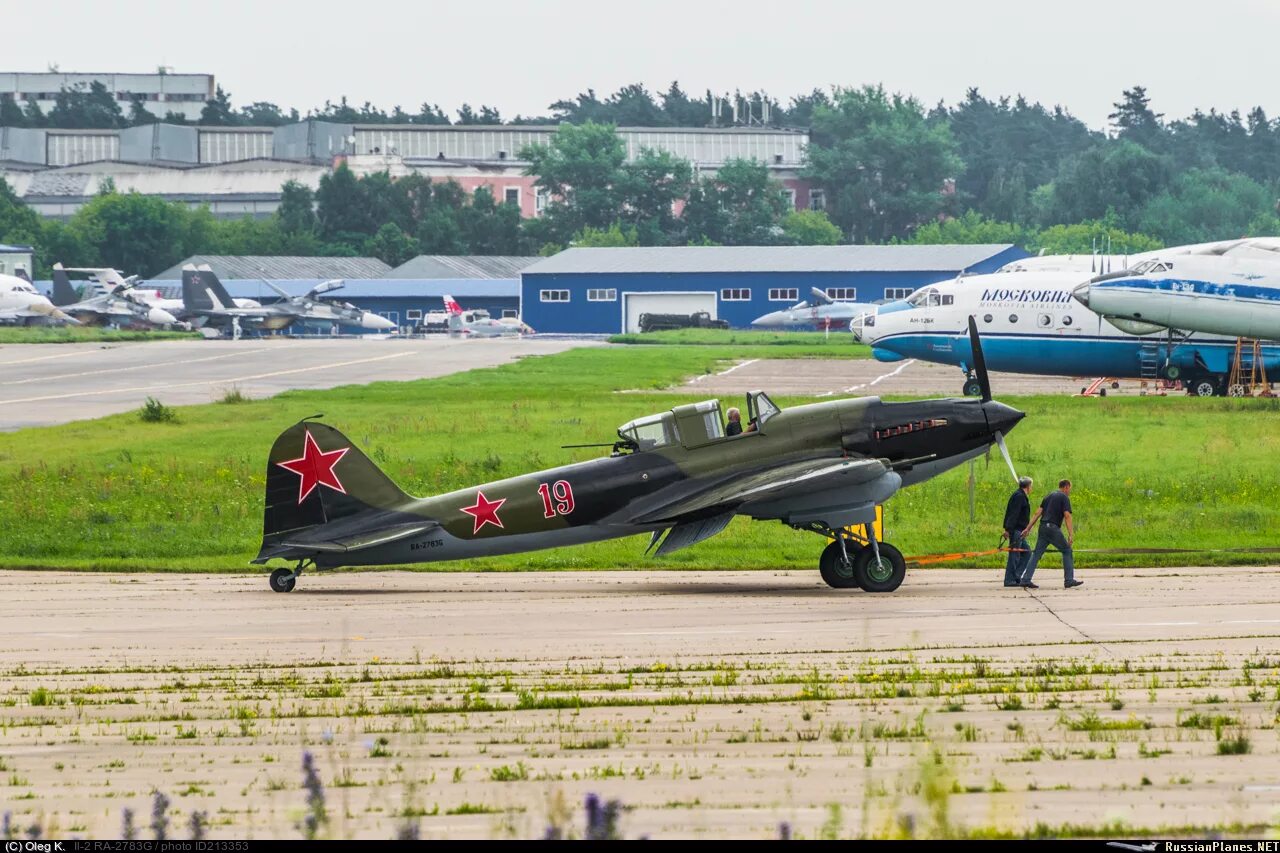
{"x": 1054, "y": 514}
{"x": 1017, "y": 515}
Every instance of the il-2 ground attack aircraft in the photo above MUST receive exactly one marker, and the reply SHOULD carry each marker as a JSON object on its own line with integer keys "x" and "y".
{"x": 820, "y": 311}
{"x": 819, "y": 467}
{"x": 207, "y": 302}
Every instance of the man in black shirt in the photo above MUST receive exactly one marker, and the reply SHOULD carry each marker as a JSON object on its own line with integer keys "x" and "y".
{"x": 1054, "y": 513}
{"x": 1017, "y": 516}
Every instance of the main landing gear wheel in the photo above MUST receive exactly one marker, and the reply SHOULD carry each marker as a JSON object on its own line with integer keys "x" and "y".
{"x": 972, "y": 388}
{"x": 835, "y": 569}
{"x": 1202, "y": 387}
{"x": 283, "y": 580}
{"x": 879, "y": 574}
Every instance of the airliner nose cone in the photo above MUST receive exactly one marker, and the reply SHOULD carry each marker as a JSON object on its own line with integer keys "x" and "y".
{"x": 858, "y": 325}
{"x": 1001, "y": 418}
{"x": 1081, "y": 294}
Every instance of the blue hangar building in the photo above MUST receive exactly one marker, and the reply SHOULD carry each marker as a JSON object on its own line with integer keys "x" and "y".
{"x": 604, "y": 291}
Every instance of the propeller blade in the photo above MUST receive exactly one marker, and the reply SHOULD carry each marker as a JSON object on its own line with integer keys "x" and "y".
{"x": 1004, "y": 451}
{"x": 979, "y": 362}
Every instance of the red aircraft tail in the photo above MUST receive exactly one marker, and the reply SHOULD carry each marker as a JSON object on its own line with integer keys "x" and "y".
{"x": 451, "y": 305}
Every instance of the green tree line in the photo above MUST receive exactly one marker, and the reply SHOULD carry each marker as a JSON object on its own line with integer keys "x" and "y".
{"x": 889, "y": 170}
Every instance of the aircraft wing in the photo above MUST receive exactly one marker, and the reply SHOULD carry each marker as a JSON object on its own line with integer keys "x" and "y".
{"x": 773, "y": 489}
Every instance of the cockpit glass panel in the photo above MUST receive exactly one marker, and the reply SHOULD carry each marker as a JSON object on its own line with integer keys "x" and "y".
{"x": 649, "y": 433}
{"x": 765, "y": 409}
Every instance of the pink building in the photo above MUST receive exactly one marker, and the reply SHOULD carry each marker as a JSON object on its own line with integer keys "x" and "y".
{"x": 487, "y": 155}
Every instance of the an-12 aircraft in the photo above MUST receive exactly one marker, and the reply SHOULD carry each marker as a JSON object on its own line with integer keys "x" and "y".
{"x": 820, "y": 467}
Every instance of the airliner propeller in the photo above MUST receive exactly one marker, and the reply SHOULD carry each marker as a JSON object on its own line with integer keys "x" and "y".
{"x": 984, "y": 382}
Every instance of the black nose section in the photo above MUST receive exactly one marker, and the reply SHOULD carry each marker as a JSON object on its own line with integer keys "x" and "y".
{"x": 1001, "y": 418}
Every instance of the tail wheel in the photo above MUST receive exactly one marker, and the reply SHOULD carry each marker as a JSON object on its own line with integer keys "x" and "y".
{"x": 835, "y": 569}
{"x": 283, "y": 580}
{"x": 882, "y": 574}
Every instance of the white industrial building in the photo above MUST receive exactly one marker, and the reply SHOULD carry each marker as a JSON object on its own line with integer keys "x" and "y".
{"x": 239, "y": 171}
{"x": 184, "y": 94}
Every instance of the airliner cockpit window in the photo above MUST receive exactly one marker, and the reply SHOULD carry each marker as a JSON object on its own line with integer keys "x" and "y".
{"x": 926, "y": 297}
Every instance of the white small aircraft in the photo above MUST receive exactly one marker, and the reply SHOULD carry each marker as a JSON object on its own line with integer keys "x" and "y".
{"x": 481, "y": 327}
{"x": 22, "y": 304}
{"x": 820, "y": 312}
{"x": 1230, "y": 288}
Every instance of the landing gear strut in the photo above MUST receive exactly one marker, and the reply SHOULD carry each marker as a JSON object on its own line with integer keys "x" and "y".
{"x": 284, "y": 580}
{"x": 847, "y": 562}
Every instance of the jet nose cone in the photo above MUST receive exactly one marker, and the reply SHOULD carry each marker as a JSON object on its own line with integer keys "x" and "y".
{"x": 1081, "y": 294}
{"x": 160, "y": 317}
{"x": 373, "y": 321}
{"x": 773, "y": 318}
{"x": 1001, "y": 418}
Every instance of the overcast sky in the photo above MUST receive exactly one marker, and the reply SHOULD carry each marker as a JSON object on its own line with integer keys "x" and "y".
{"x": 521, "y": 56}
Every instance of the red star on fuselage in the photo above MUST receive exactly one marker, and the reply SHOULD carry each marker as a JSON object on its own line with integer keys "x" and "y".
{"x": 315, "y": 468}
{"x": 484, "y": 511}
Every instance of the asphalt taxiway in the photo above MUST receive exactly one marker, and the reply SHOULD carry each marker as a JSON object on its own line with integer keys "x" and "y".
{"x": 43, "y": 384}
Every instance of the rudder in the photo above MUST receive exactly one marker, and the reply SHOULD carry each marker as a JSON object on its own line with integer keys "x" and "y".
{"x": 316, "y": 475}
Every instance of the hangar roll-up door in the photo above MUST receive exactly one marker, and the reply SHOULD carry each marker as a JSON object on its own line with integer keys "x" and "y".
{"x": 665, "y": 303}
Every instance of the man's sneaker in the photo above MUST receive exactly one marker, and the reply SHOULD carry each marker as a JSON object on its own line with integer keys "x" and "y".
{"x": 1070, "y": 584}
{"x": 1030, "y": 585}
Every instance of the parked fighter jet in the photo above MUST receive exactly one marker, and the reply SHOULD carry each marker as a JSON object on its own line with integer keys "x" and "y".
{"x": 820, "y": 311}
{"x": 207, "y": 303}
{"x": 481, "y": 327}
{"x": 820, "y": 468}
{"x": 22, "y": 304}
{"x": 117, "y": 307}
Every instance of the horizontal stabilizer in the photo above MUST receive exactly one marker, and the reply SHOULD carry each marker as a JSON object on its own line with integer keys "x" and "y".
{"x": 692, "y": 532}
{"x": 362, "y": 540}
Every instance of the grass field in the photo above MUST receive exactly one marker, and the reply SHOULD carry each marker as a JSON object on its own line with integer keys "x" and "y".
{"x": 118, "y": 493}
{"x": 782, "y": 344}
{"x": 81, "y": 335}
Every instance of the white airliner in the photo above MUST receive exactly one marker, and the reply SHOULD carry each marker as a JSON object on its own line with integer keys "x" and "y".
{"x": 22, "y": 304}
{"x": 1226, "y": 288}
{"x": 1031, "y": 324}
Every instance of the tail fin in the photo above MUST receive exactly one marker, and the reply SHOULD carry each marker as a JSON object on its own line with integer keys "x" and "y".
{"x": 317, "y": 476}
{"x": 202, "y": 291}
{"x": 63, "y": 292}
{"x": 451, "y": 305}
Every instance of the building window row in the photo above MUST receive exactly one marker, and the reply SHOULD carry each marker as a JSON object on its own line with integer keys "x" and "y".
{"x": 553, "y": 295}
{"x": 897, "y": 292}
{"x": 735, "y": 294}
{"x": 602, "y": 295}
{"x": 783, "y": 294}
{"x": 849, "y": 293}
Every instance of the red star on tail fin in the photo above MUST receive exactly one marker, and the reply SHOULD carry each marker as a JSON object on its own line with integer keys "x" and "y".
{"x": 315, "y": 468}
